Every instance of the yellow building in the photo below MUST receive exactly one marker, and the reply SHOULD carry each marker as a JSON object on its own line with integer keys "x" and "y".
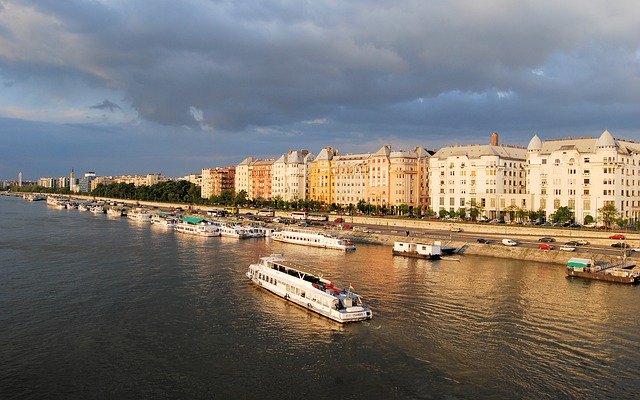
{"x": 321, "y": 177}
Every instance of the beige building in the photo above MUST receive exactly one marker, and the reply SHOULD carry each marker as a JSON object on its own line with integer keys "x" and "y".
{"x": 242, "y": 177}
{"x": 493, "y": 176}
{"x": 350, "y": 173}
{"x": 216, "y": 180}
{"x": 584, "y": 174}
{"x": 290, "y": 175}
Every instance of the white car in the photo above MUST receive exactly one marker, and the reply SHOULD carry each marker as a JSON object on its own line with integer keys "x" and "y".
{"x": 509, "y": 242}
{"x": 567, "y": 248}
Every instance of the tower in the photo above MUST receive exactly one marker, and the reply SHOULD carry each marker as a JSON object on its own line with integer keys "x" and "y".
{"x": 494, "y": 139}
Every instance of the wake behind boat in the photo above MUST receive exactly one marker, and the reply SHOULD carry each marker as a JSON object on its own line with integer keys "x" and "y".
{"x": 307, "y": 289}
{"x": 313, "y": 239}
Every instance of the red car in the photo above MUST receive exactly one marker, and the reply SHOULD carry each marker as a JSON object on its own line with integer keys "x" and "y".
{"x": 617, "y": 236}
{"x": 545, "y": 246}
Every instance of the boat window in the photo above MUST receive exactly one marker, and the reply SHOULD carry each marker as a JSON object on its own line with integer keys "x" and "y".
{"x": 302, "y": 293}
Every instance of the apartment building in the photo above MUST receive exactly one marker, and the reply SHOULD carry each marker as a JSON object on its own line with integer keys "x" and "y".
{"x": 261, "y": 179}
{"x": 493, "y": 176}
{"x": 409, "y": 178}
{"x": 584, "y": 174}
{"x": 216, "y": 180}
{"x": 242, "y": 177}
{"x": 290, "y": 175}
{"x": 321, "y": 177}
{"x": 350, "y": 172}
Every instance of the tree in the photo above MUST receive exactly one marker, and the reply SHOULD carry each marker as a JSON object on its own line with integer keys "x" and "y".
{"x": 562, "y": 215}
{"x": 608, "y": 214}
{"x": 588, "y": 219}
{"x": 474, "y": 209}
{"x": 462, "y": 212}
{"x": 443, "y": 213}
{"x": 521, "y": 214}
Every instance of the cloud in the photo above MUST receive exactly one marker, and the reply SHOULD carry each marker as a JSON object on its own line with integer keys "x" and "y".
{"x": 106, "y": 105}
{"x": 329, "y": 73}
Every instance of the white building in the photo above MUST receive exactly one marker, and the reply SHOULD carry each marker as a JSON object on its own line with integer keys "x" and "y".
{"x": 492, "y": 175}
{"x": 242, "y": 178}
{"x": 350, "y": 178}
{"x": 584, "y": 174}
{"x": 290, "y": 175}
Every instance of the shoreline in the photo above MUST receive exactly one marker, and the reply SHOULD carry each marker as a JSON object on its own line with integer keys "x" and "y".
{"x": 414, "y": 227}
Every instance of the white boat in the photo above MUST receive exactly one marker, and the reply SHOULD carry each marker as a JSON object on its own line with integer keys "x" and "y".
{"x": 313, "y": 239}
{"x": 114, "y": 212}
{"x": 97, "y": 209}
{"x": 233, "y": 231}
{"x": 197, "y": 227}
{"x": 418, "y": 250}
{"x": 139, "y": 214}
{"x": 164, "y": 220}
{"x": 308, "y": 289}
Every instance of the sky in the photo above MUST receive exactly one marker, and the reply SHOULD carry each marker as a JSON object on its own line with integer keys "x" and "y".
{"x": 174, "y": 86}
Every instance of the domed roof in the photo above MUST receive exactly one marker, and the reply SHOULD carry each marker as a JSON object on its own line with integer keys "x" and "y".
{"x": 535, "y": 143}
{"x": 606, "y": 140}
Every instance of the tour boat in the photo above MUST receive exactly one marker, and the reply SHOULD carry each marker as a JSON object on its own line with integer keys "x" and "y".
{"x": 197, "y": 227}
{"x": 234, "y": 231}
{"x": 417, "y": 250}
{"x": 313, "y": 239}
{"x": 308, "y": 289}
{"x": 139, "y": 215}
{"x": 164, "y": 220}
{"x": 114, "y": 212}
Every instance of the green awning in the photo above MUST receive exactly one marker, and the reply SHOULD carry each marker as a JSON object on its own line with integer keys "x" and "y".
{"x": 192, "y": 220}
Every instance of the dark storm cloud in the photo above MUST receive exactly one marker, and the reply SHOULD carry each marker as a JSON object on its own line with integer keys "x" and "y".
{"x": 106, "y": 105}
{"x": 423, "y": 67}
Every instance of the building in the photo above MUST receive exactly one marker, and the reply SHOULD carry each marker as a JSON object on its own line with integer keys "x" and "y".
{"x": 216, "y": 180}
{"x": 290, "y": 175}
{"x": 242, "y": 178}
{"x": 321, "y": 177}
{"x": 584, "y": 174}
{"x": 84, "y": 183}
{"x": 378, "y": 179}
{"x": 196, "y": 179}
{"x": 409, "y": 179}
{"x": 261, "y": 179}
{"x": 350, "y": 172}
{"x": 492, "y": 176}
{"x": 47, "y": 182}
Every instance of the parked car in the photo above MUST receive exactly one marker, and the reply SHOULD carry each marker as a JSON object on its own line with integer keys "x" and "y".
{"x": 338, "y": 220}
{"x": 546, "y": 239}
{"x": 572, "y": 243}
{"x": 617, "y": 236}
{"x": 545, "y": 246}
{"x": 567, "y": 248}
{"x": 621, "y": 245}
{"x": 582, "y": 242}
{"x": 483, "y": 241}
{"x": 456, "y": 229}
{"x": 509, "y": 242}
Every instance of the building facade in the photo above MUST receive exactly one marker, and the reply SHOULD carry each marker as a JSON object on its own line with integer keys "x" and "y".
{"x": 584, "y": 174}
{"x": 321, "y": 176}
{"x": 290, "y": 175}
{"x": 216, "y": 180}
{"x": 493, "y": 177}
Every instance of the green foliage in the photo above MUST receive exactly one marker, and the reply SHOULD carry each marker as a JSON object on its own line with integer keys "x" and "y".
{"x": 588, "y": 219}
{"x": 608, "y": 214}
{"x": 562, "y": 215}
{"x": 443, "y": 213}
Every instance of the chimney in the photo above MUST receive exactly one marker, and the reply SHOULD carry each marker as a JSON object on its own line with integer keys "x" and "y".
{"x": 494, "y": 139}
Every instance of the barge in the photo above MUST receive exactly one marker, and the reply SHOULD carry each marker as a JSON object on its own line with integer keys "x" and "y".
{"x": 586, "y": 268}
{"x": 418, "y": 250}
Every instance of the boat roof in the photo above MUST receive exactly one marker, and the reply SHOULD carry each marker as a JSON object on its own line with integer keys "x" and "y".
{"x": 292, "y": 265}
{"x": 192, "y": 220}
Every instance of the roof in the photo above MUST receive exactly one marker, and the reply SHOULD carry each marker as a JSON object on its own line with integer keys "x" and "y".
{"x": 482, "y": 150}
{"x": 192, "y": 220}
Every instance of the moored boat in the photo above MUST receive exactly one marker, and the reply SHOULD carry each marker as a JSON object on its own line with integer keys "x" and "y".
{"x": 417, "y": 250}
{"x": 197, "y": 226}
{"x": 313, "y": 239}
{"x": 586, "y": 268}
{"x": 308, "y": 289}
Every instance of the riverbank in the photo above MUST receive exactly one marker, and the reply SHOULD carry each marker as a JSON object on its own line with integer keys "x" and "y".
{"x": 393, "y": 229}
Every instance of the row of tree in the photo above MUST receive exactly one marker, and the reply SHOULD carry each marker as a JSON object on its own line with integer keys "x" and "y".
{"x": 186, "y": 192}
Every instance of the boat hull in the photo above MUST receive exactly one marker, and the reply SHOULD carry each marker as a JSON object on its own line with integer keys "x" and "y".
{"x": 598, "y": 276}
{"x": 416, "y": 255}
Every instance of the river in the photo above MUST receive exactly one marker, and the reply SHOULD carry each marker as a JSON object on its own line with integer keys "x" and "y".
{"x": 97, "y": 307}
